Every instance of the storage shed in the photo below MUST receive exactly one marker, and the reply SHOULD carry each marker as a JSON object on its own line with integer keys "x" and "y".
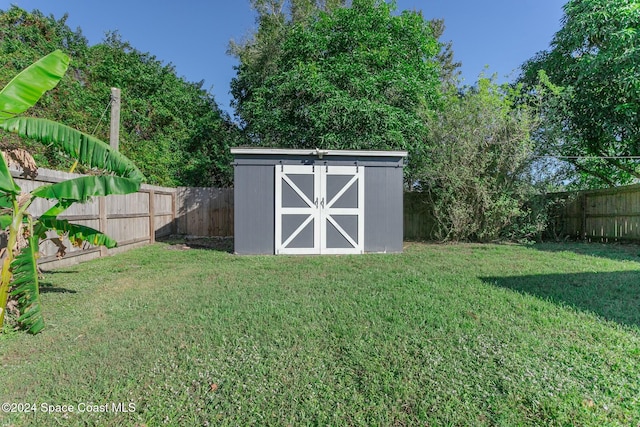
{"x": 317, "y": 201}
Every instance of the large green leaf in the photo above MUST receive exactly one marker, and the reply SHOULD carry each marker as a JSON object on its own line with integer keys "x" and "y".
{"x": 27, "y": 287}
{"x": 57, "y": 209}
{"x": 78, "y": 233}
{"x": 7, "y": 184}
{"x": 88, "y": 150}
{"x": 6, "y": 201}
{"x": 27, "y": 87}
{"x": 81, "y": 189}
{"x": 5, "y": 221}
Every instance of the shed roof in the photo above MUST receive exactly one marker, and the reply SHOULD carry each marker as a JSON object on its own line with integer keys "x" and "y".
{"x": 316, "y": 152}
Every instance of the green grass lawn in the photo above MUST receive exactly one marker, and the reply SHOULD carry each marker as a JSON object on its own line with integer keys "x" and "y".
{"x": 439, "y": 335}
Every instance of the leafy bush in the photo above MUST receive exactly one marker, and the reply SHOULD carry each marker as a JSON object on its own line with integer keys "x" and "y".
{"x": 476, "y": 163}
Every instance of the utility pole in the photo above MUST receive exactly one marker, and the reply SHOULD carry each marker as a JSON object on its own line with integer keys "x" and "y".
{"x": 114, "y": 130}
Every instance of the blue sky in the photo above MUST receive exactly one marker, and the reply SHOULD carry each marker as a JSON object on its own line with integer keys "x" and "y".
{"x": 194, "y": 35}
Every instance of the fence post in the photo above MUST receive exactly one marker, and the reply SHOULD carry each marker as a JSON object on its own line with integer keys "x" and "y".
{"x": 114, "y": 129}
{"x": 583, "y": 222}
{"x": 152, "y": 216}
{"x": 174, "y": 209}
{"x": 102, "y": 221}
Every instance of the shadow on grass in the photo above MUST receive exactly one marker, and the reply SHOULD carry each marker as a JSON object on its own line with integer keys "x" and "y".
{"x": 47, "y": 272}
{"x": 50, "y": 288}
{"x": 614, "y": 251}
{"x": 55, "y": 290}
{"x": 612, "y": 295}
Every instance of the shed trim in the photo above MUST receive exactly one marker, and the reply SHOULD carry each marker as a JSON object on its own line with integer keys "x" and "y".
{"x": 316, "y": 152}
{"x": 395, "y": 163}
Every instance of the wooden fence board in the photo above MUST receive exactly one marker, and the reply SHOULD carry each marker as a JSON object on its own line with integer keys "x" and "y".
{"x": 205, "y": 211}
{"x": 611, "y": 214}
{"x": 419, "y": 223}
{"x": 129, "y": 219}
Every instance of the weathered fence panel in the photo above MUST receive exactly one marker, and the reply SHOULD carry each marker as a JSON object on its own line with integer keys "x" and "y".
{"x": 611, "y": 214}
{"x": 419, "y": 223}
{"x": 134, "y": 219}
{"x": 599, "y": 215}
{"x": 131, "y": 219}
{"x": 204, "y": 211}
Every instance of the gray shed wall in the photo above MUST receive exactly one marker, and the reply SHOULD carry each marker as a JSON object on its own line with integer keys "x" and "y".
{"x": 383, "y": 220}
{"x": 254, "y": 196}
{"x": 254, "y": 209}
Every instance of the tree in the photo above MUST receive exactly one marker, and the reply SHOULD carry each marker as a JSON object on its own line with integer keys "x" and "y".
{"x": 592, "y": 97}
{"x": 449, "y": 67}
{"x": 26, "y": 37}
{"x": 165, "y": 121}
{"x": 475, "y": 165}
{"x": 172, "y": 129}
{"x": 258, "y": 56}
{"x": 19, "y": 265}
{"x": 356, "y": 77}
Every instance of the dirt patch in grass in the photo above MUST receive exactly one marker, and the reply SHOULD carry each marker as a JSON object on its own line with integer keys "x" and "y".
{"x": 222, "y": 244}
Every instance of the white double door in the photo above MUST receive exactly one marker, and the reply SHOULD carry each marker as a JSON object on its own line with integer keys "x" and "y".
{"x": 319, "y": 209}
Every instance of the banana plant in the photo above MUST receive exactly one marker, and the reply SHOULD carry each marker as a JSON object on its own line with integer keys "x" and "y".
{"x": 118, "y": 175}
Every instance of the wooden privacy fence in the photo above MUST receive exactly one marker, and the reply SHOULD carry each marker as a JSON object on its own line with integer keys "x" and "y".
{"x": 208, "y": 212}
{"x": 419, "y": 223}
{"x": 134, "y": 219}
{"x": 604, "y": 215}
{"x": 597, "y": 215}
{"x": 131, "y": 219}
{"x": 204, "y": 211}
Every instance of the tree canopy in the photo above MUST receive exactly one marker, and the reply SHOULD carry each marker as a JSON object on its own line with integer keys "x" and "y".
{"x": 171, "y": 128}
{"x": 591, "y": 91}
{"x": 358, "y": 77}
